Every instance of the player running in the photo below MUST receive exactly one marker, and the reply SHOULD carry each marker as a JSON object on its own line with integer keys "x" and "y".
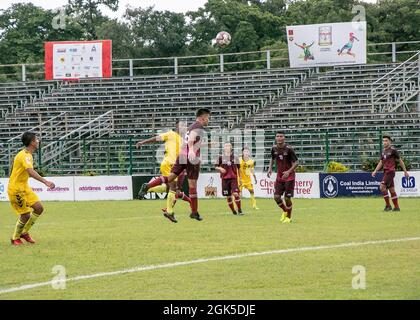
{"x": 189, "y": 160}
{"x": 23, "y": 200}
{"x": 228, "y": 166}
{"x": 389, "y": 158}
{"x": 246, "y": 170}
{"x": 173, "y": 143}
{"x": 287, "y": 162}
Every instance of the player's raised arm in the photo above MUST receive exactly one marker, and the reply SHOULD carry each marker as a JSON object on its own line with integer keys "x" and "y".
{"x": 147, "y": 141}
{"x": 402, "y": 164}
{"x": 378, "y": 167}
{"x": 35, "y": 175}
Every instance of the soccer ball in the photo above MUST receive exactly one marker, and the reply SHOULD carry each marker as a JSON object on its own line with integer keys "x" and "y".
{"x": 223, "y": 39}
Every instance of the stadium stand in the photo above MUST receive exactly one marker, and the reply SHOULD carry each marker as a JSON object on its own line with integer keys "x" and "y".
{"x": 91, "y": 124}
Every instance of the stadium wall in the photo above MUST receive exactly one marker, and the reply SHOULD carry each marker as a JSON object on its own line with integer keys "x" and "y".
{"x": 308, "y": 185}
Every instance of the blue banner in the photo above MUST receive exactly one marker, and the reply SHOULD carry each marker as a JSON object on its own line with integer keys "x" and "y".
{"x": 349, "y": 184}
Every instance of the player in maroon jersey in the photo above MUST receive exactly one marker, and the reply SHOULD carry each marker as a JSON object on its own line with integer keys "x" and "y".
{"x": 228, "y": 166}
{"x": 389, "y": 158}
{"x": 189, "y": 160}
{"x": 287, "y": 162}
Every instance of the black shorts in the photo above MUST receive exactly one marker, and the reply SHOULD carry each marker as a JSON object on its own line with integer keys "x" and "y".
{"x": 388, "y": 179}
{"x": 287, "y": 188}
{"x": 182, "y": 163}
{"x": 229, "y": 186}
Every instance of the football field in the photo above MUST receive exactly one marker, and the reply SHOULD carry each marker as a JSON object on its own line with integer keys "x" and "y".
{"x": 128, "y": 250}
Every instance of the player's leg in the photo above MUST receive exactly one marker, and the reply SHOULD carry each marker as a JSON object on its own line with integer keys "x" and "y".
{"x": 165, "y": 170}
{"x": 394, "y": 196}
{"x": 234, "y": 189}
{"x": 250, "y": 188}
{"x": 279, "y": 189}
{"x": 226, "y": 191}
{"x": 193, "y": 171}
{"x": 179, "y": 193}
{"x": 288, "y": 195}
{"x": 19, "y": 227}
{"x": 192, "y": 186}
{"x": 38, "y": 209}
{"x": 384, "y": 190}
{"x": 176, "y": 170}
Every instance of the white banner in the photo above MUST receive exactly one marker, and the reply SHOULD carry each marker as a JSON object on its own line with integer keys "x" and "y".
{"x": 407, "y": 187}
{"x": 103, "y": 188}
{"x": 77, "y": 60}
{"x": 327, "y": 44}
{"x": 63, "y": 191}
{"x": 4, "y": 182}
{"x": 306, "y": 185}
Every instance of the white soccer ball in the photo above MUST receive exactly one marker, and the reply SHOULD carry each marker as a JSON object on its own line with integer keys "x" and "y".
{"x": 223, "y": 39}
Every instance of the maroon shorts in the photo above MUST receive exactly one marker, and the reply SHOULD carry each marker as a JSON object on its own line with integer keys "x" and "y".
{"x": 229, "y": 186}
{"x": 287, "y": 188}
{"x": 388, "y": 179}
{"x": 182, "y": 163}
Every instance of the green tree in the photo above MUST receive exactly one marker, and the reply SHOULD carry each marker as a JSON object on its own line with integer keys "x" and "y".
{"x": 158, "y": 33}
{"x": 89, "y": 15}
{"x": 23, "y": 30}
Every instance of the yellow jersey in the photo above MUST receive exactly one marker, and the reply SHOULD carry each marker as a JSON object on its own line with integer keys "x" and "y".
{"x": 19, "y": 177}
{"x": 245, "y": 168}
{"x": 173, "y": 144}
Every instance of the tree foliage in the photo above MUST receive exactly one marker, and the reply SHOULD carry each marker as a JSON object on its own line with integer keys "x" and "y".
{"x": 145, "y": 32}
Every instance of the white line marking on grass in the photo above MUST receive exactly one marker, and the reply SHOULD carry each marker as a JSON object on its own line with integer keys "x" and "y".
{"x": 204, "y": 260}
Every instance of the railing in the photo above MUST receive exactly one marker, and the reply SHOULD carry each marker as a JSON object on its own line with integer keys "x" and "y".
{"x": 54, "y": 151}
{"x": 397, "y": 87}
{"x": 108, "y": 155}
{"x": 274, "y": 58}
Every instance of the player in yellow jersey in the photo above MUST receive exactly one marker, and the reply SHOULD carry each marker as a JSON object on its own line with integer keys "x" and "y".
{"x": 246, "y": 170}
{"x": 173, "y": 144}
{"x": 24, "y": 201}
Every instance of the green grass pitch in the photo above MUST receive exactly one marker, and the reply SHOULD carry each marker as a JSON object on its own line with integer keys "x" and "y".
{"x": 89, "y": 238}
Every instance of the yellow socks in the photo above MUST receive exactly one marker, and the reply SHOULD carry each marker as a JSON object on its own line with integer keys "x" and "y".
{"x": 170, "y": 201}
{"x": 18, "y": 229}
{"x": 253, "y": 201}
{"x": 30, "y": 222}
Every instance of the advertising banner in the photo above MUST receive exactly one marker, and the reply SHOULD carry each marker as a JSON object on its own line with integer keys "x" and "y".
{"x": 407, "y": 187}
{"x": 103, "y": 188}
{"x": 306, "y": 185}
{"x": 327, "y": 44}
{"x": 63, "y": 191}
{"x": 349, "y": 184}
{"x": 68, "y": 60}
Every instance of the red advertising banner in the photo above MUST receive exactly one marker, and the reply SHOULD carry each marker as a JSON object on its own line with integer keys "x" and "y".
{"x": 72, "y": 60}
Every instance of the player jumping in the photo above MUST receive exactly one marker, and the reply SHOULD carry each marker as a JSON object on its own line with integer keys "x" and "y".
{"x": 23, "y": 200}
{"x": 287, "y": 162}
{"x": 389, "y": 158}
{"x": 189, "y": 160}
{"x": 228, "y": 166}
{"x": 173, "y": 142}
{"x": 246, "y": 170}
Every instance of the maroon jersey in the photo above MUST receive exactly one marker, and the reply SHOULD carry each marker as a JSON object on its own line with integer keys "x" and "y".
{"x": 230, "y": 164}
{"x": 199, "y": 129}
{"x": 389, "y": 158}
{"x": 284, "y": 157}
